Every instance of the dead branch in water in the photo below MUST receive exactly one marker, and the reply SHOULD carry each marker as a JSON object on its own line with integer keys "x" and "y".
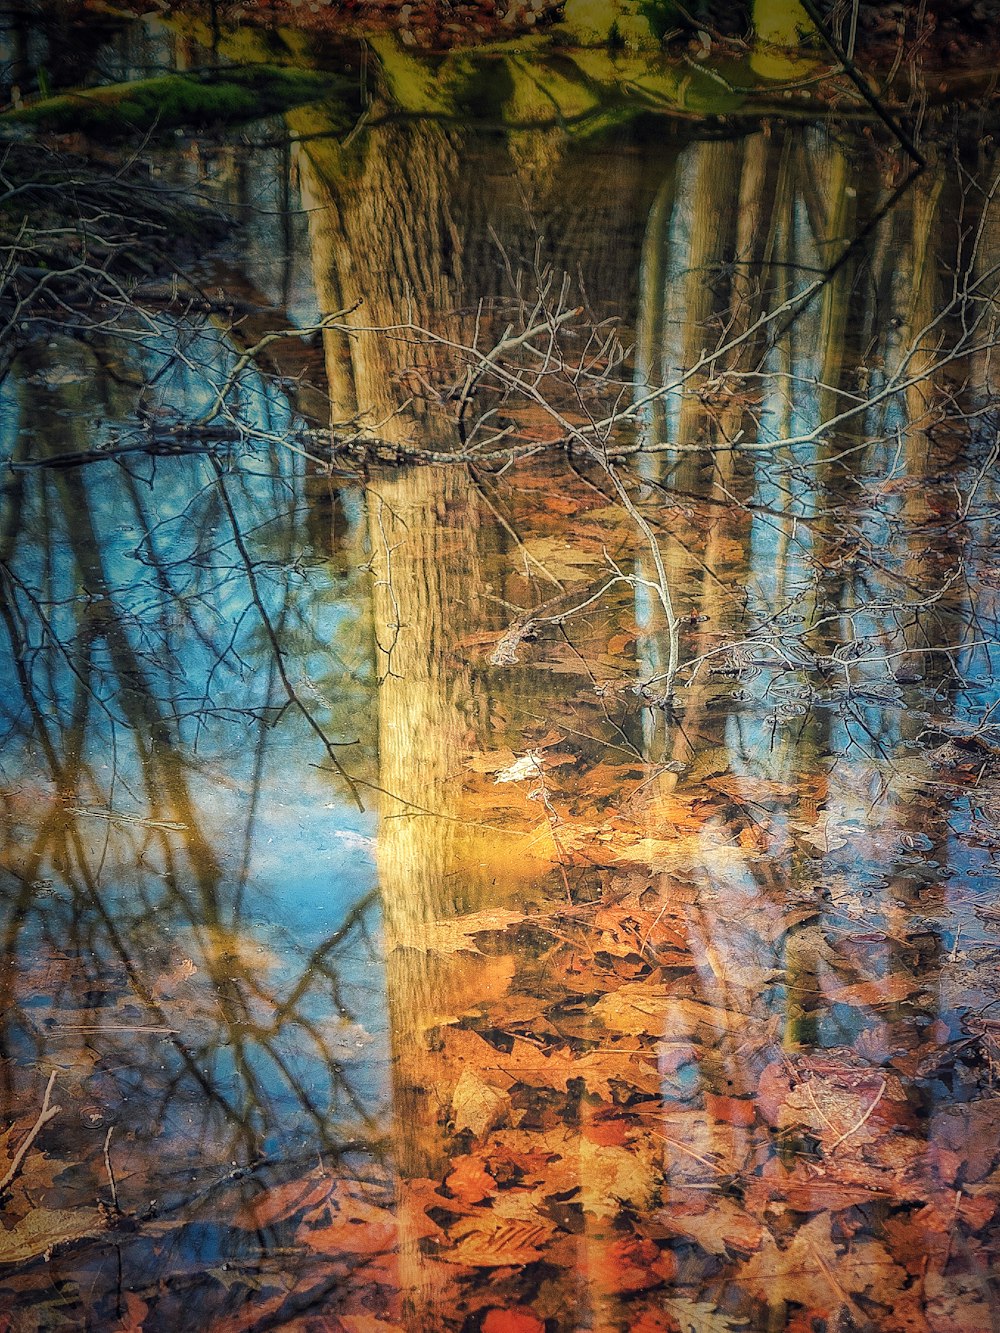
{"x": 47, "y": 1113}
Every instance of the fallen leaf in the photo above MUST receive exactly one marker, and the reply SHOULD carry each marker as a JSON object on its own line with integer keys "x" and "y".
{"x": 716, "y": 1225}
{"x": 891, "y": 989}
{"x": 469, "y": 1181}
{"x": 356, "y": 1228}
{"x": 517, "y": 1320}
{"x": 528, "y": 766}
{"x": 136, "y": 1311}
{"x": 362, "y": 1323}
{"x": 811, "y": 1271}
{"x": 282, "y": 1201}
{"x": 700, "y": 1315}
{"x": 611, "y": 1177}
{"x": 500, "y": 1243}
{"x": 733, "y": 1110}
{"x": 630, "y": 1264}
{"x": 476, "y": 1106}
{"x": 43, "y": 1229}
{"x": 556, "y": 1068}
{"x": 457, "y": 933}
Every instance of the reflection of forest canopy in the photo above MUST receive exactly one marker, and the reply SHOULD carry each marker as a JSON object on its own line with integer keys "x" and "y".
{"x": 638, "y": 715}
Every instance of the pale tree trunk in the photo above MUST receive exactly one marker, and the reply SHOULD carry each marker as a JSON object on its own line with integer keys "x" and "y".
{"x": 399, "y": 222}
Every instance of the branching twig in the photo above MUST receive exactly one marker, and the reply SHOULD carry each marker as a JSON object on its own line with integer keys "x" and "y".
{"x": 46, "y": 1114}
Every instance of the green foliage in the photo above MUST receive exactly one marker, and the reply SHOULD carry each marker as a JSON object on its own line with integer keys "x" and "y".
{"x": 173, "y": 101}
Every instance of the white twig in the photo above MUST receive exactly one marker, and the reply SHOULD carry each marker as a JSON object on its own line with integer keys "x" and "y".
{"x": 46, "y": 1114}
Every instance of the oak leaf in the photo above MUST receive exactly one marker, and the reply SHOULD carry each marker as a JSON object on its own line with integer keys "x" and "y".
{"x": 700, "y": 1315}
{"x": 650, "y": 1008}
{"x": 456, "y": 933}
{"x": 350, "y": 1235}
{"x": 611, "y": 1177}
{"x": 630, "y": 1264}
{"x": 716, "y": 1225}
{"x": 597, "y": 1069}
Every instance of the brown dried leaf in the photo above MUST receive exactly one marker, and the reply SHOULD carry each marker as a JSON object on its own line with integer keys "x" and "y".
{"x": 891, "y": 989}
{"x": 357, "y": 1227}
{"x": 649, "y": 1008}
{"x": 630, "y": 1264}
{"x": 716, "y": 1224}
{"x": 597, "y": 1069}
{"x": 500, "y": 1242}
{"x": 469, "y": 1181}
{"x": 281, "y": 1201}
{"x": 476, "y": 1106}
{"x": 811, "y": 1272}
{"x": 611, "y": 1177}
{"x": 45, "y": 1228}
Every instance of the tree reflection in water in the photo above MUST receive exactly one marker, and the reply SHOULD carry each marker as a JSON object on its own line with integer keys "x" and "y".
{"x": 679, "y": 958}
{"x": 187, "y": 941}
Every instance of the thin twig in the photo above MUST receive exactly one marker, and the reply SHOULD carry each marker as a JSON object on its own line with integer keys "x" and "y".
{"x": 854, "y": 1128}
{"x": 46, "y": 1114}
{"x": 107, "y": 1167}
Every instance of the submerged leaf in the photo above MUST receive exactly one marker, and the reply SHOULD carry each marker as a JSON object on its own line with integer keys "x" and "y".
{"x": 500, "y": 1243}
{"x": 45, "y": 1228}
{"x": 282, "y": 1201}
{"x": 476, "y": 1106}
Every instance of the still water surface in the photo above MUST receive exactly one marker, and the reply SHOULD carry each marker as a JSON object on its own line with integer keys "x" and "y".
{"x": 632, "y": 979}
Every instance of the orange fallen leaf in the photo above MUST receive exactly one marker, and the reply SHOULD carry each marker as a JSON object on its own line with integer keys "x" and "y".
{"x": 350, "y": 1237}
{"x": 469, "y": 1181}
{"x": 282, "y": 1201}
{"x": 500, "y": 1244}
{"x": 136, "y": 1311}
{"x": 356, "y": 1227}
{"x": 631, "y": 1264}
{"x": 517, "y": 1320}
{"x": 891, "y": 989}
{"x": 733, "y": 1110}
{"x": 363, "y": 1323}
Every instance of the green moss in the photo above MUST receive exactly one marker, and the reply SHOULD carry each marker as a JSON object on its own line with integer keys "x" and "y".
{"x": 551, "y": 91}
{"x": 413, "y": 83}
{"x": 478, "y": 86}
{"x": 603, "y": 125}
{"x": 318, "y": 128}
{"x": 649, "y": 83}
{"x": 784, "y": 32}
{"x": 242, "y": 44}
{"x": 173, "y": 101}
{"x": 616, "y": 24}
